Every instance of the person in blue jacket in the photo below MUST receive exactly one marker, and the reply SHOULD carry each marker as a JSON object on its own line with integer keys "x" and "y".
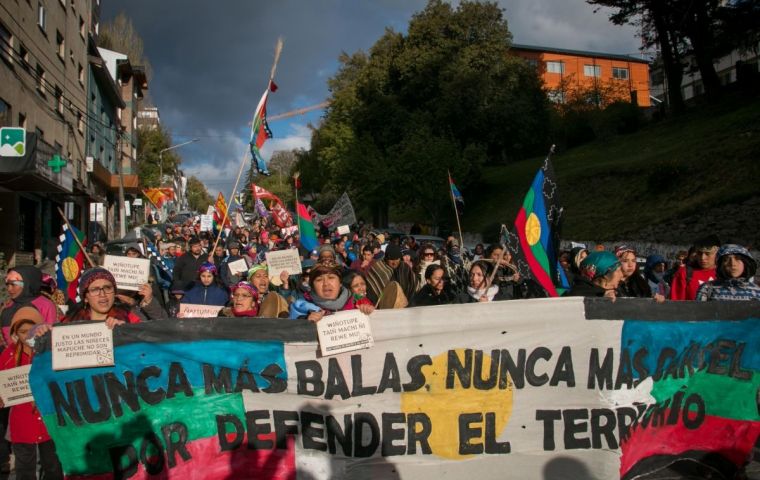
{"x": 206, "y": 291}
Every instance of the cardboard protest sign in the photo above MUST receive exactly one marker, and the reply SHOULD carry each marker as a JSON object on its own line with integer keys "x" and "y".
{"x": 344, "y": 230}
{"x": 130, "y": 273}
{"x": 14, "y": 386}
{"x": 279, "y": 261}
{"x": 344, "y": 332}
{"x": 189, "y": 310}
{"x": 238, "y": 266}
{"x": 82, "y": 345}
{"x": 207, "y": 223}
{"x": 545, "y": 388}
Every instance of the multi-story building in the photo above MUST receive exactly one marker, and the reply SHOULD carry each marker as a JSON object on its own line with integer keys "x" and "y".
{"x": 43, "y": 89}
{"x": 623, "y": 76}
{"x": 148, "y": 117}
{"x": 737, "y": 66}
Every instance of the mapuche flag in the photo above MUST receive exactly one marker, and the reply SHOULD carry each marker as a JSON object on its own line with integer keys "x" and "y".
{"x": 69, "y": 262}
{"x": 537, "y": 228}
{"x": 306, "y": 228}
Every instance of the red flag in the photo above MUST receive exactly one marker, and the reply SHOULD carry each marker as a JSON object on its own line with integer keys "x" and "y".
{"x": 281, "y": 216}
{"x": 264, "y": 194}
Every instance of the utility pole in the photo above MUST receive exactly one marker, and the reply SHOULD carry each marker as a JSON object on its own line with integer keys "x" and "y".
{"x": 120, "y": 171}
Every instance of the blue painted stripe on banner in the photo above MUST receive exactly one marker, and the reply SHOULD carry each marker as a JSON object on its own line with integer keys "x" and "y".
{"x": 136, "y": 356}
{"x": 654, "y": 336}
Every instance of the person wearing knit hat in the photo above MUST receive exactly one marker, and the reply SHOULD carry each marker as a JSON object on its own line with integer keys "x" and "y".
{"x": 326, "y": 253}
{"x": 633, "y": 284}
{"x": 97, "y": 288}
{"x": 258, "y": 276}
{"x": 391, "y": 269}
{"x": 245, "y": 301}
{"x": 736, "y": 273}
{"x": 702, "y": 269}
{"x": 26, "y": 431}
{"x": 24, "y": 286}
{"x": 206, "y": 291}
{"x": 600, "y": 275}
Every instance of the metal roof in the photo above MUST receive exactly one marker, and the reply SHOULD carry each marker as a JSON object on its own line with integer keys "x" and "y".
{"x": 578, "y": 53}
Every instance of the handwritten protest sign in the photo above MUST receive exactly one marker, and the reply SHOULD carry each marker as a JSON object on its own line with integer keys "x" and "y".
{"x": 344, "y": 230}
{"x": 282, "y": 261}
{"x": 544, "y": 388}
{"x": 189, "y": 310}
{"x": 238, "y": 266}
{"x": 82, "y": 345}
{"x": 344, "y": 332}
{"x": 207, "y": 223}
{"x": 14, "y": 386}
{"x": 130, "y": 273}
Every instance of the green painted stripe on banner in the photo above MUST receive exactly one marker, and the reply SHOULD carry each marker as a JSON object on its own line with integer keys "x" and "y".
{"x": 86, "y": 449}
{"x": 716, "y": 390}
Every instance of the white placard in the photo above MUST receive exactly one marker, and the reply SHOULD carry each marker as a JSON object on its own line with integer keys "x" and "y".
{"x": 127, "y": 209}
{"x": 97, "y": 212}
{"x": 130, "y": 273}
{"x": 82, "y": 346}
{"x": 344, "y": 230}
{"x": 207, "y": 223}
{"x": 210, "y": 210}
{"x": 283, "y": 260}
{"x": 14, "y": 386}
{"x": 191, "y": 310}
{"x": 137, "y": 202}
{"x": 238, "y": 266}
{"x": 344, "y": 332}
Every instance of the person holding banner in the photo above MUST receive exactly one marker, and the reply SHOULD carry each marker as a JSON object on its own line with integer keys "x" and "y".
{"x": 206, "y": 291}
{"x": 327, "y": 296}
{"x": 600, "y": 275}
{"x": 26, "y": 430}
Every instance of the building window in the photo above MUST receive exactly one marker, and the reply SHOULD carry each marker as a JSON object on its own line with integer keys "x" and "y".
{"x": 41, "y": 85}
{"x": 40, "y": 133}
{"x": 555, "y": 67}
{"x": 592, "y": 70}
{"x": 58, "y": 100}
{"x": 41, "y": 14}
{"x": 80, "y": 122}
{"x": 532, "y": 62}
{"x": 80, "y": 73}
{"x": 6, "y": 44}
{"x": 620, "y": 73}
{"x": 63, "y": 3}
{"x": 23, "y": 55}
{"x": 5, "y": 114}
{"x": 61, "y": 45}
{"x": 22, "y": 120}
{"x": 81, "y": 27}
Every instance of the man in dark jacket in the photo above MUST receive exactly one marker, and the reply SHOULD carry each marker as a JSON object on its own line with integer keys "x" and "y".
{"x": 391, "y": 268}
{"x": 186, "y": 267}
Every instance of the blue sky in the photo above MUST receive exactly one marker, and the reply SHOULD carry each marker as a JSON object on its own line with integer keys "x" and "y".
{"x": 211, "y": 61}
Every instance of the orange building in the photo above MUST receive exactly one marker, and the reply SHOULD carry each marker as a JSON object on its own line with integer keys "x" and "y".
{"x": 621, "y": 76}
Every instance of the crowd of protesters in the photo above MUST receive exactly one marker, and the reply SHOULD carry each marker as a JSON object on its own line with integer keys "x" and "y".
{"x": 364, "y": 269}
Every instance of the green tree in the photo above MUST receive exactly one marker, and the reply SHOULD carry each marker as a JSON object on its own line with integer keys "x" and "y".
{"x": 150, "y": 162}
{"x": 198, "y": 198}
{"x": 448, "y": 95}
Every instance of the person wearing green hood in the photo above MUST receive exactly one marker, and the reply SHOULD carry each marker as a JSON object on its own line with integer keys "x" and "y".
{"x": 600, "y": 275}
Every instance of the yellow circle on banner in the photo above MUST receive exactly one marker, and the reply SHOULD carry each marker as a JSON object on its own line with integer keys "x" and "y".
{"x": 70, "y": 269}
{"x": 444, "y": 406}
{"x": 533, "y": 229}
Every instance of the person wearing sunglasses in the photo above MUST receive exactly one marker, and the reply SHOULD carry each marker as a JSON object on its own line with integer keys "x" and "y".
{"x": 24, "y": 285}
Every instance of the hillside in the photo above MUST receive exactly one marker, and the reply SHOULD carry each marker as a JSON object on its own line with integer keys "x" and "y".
{"x": 671, "y": 181}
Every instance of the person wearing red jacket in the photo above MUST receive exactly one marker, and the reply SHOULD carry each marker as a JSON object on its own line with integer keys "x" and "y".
{"x": 26, "y": 429}
{"x": 690, "y": 276}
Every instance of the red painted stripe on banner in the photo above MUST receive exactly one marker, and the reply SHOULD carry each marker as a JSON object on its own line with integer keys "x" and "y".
{"x": 733, "y": 439}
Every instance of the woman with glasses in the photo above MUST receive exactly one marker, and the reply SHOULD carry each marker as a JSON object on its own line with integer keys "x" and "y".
{"x": 24, "y": 285}
{"x": 245, "y": 301}
{"x": 436, "y": 290}
{"x": 97, "y": 289}
{"x": 427, "y": 257}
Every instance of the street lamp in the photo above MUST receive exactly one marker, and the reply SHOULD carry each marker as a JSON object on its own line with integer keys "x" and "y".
{"x": 161, "y": 158}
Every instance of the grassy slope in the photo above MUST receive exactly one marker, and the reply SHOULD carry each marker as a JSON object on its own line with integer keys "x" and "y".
{"x": 710, "y": 156}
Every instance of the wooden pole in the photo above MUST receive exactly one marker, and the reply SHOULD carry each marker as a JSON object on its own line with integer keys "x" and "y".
{"x": 277, "y": 52}
{"x": 456, "y": 214}
{"x": 63, "y": 216}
